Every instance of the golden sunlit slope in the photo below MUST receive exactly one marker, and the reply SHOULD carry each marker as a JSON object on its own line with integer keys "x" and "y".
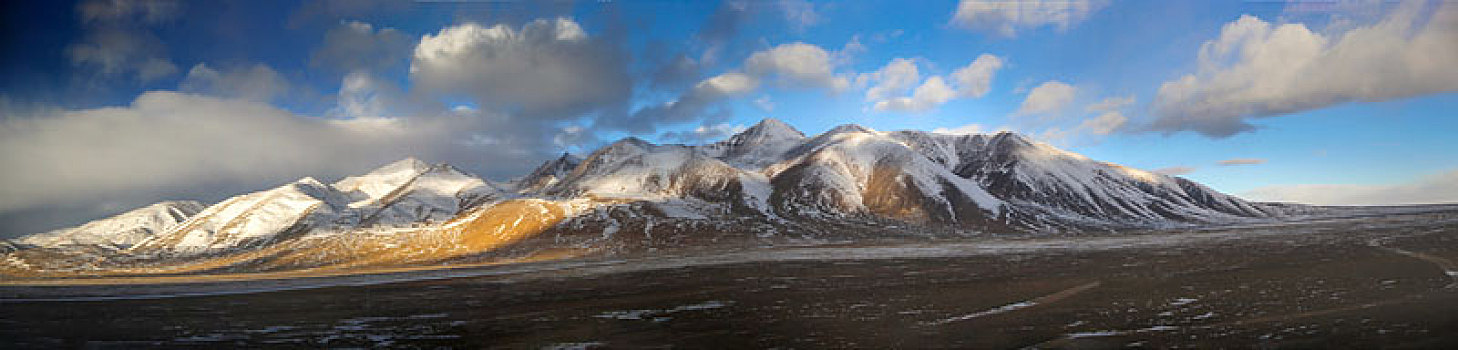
{"x": 475, "y": 233}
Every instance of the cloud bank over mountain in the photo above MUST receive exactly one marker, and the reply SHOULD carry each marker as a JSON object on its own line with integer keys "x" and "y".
{"x": 1258, "y": 69}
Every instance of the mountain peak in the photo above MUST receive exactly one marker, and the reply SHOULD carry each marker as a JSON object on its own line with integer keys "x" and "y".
{"x": 568, "y": 158}
{"x": 550, "y": 172}
{"x": 308, "y": 181}
{"x": 775, "y": 127}
{"x": 757, "y": 146}
{"x": 630, "y": 140}
{"x": 1007, "y": 141}
{"x": 384, "y": 179}
{"x": 848, "y": 128}
{"x": 1009, "y": 138}
{"x": 404, "y": 168}
{"x": 624, "y": 147}
{"x": 766, "y": 131}
{"x": 410, "y": 164}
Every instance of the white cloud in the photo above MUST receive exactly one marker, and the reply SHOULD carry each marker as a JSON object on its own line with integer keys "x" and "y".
{"x": 793, "y": 65}
{"x": 167, "y": 142}
{"x": 1436, "y": 188}
{"x": 1105, "y": 123}
{"x": 1241, "y": 161}
{"x": 1049, "y": 97}
{"x": 354, "y": 46}
{"x": 932, "y": 93}
{"x": 1110, "y": 104}
{"x": 800, "y": 13}
{"x": 848, "y": 51}
{"x": 1258, "y": 69}
{"x": 892, "y": 80}
{"x": 1339, "y": 15}
{"x": 1174, "y": 170}
{"x": 1107, "y": 115}
{"x": 727, "y": 84}
{"x": 764, "y": 104}
{"x": 897, "y": 76}
{"x": 1005, "y": 18}
{"x": 1089, "y": 130}
{"x": 257, "y": 82}
{"x": 170, "y": 145}
{"x": 573, "y": 137}
{"x": 546, "y": 69}
{"x": 362, "y": 95}
{"x": 796, "y": 65}
{"x": 975, "y": 79}
{"x": 691, "y": 105}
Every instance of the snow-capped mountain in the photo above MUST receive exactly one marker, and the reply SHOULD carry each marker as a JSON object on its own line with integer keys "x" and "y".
{"x": 851, "y": 169}
{"x": 405, "y": 193}
{"x": 253, "y": 219}
{"x": 120, "y": 231}
{"x": 411, "y": 191}
{"x": 1049, "y": 186}
{"x": 768, "y": 181}
{"x": 1001, "y": 181}
{"x": 636, "y": 169}
{"x": 549, "y": 173}
{"x": 758, "y": 146}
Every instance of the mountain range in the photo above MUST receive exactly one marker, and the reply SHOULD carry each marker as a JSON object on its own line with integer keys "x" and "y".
{"x": 769, "y": 183}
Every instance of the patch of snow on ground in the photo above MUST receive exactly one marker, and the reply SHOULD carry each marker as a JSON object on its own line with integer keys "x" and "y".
{"x": 989, "y": 312}
{"x": 1183, "y": 301}
{"x": 575, "y": 346}
{"x": 656, "y": 314}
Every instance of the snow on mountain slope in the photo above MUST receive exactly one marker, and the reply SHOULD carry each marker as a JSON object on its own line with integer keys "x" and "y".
{"x": 435, "y": 196}
{"x": 636, "y": 169}
{"x": 405, "y": 193}
{"x": 1050, "y": 185}
{"x": 852, "y": 169}
{"x": 411, "y": 191}
{"x": 253, "y": 219}
{"x": 375, "y": 186}
{"x": 120, "y": 231}
{"x": 763, "y": 144}
{"x": 548, "y": 173}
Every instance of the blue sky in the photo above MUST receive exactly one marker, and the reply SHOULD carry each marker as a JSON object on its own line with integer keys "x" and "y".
{"x": 1303, "y": 100}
